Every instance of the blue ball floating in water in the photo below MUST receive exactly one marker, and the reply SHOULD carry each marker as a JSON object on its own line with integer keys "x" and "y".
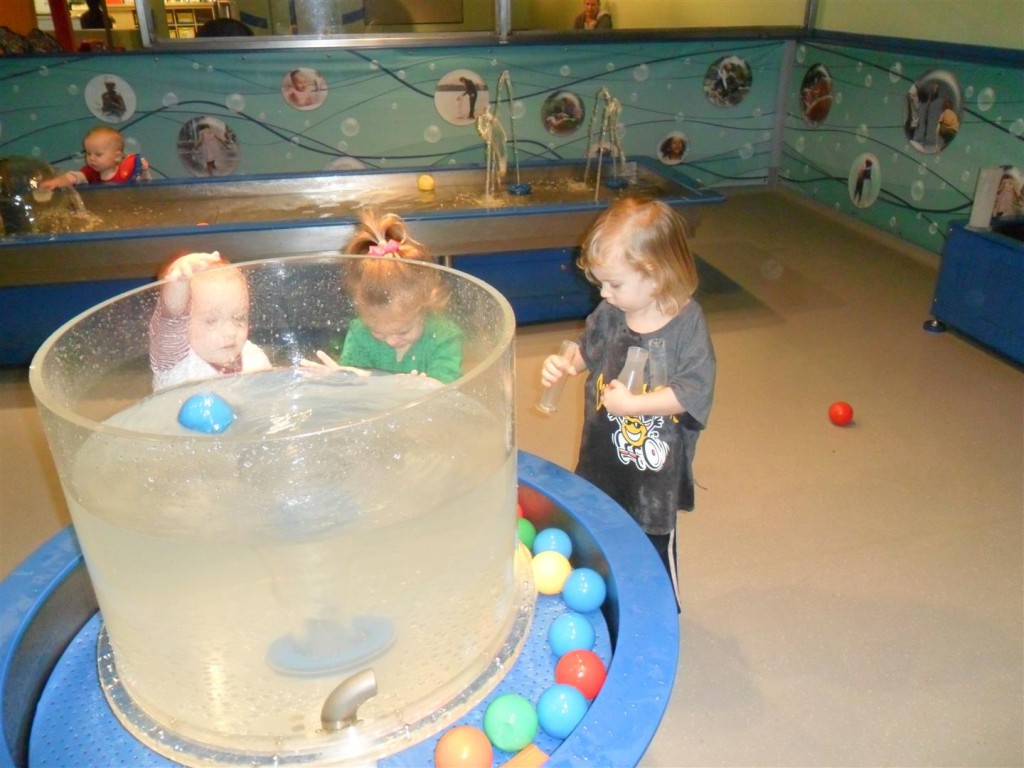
{"x": 560, "y": 709}
{"x": 520, "y": 189}
{"x": 553, "y": 540}
{"x": 571, "y": 632}
{"x": 584, "y": 590}
{"x": 206, "y": 413}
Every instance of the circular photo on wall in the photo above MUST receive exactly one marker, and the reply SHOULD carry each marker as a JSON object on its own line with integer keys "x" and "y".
{"x": 110, "y": 98}
{"x": 934, "y": 106}
{"x": 816, "y": 94}
{"x": 208, "y": 147}
{"x": 865, "y": 180}
{"x": 727, "y": 82}
{"x": 672, "y": 148}
{"x": 562, "y": 113}
{"x": 461, "y": 96}
{"x": 304, "y": 88}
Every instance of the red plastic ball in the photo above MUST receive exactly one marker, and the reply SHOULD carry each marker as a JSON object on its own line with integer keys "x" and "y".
{"x": 840, "y": 413}
{"x": 464, "y": 747}
{"x": 583, "y": 670}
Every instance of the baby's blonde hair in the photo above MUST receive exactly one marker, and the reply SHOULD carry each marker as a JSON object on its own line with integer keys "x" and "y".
{"x": 105, "y": 131}
{"x": 649, "y": 237}
{"x": 387, "y": 279}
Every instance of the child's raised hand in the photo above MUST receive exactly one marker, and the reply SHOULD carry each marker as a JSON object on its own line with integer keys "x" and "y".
{"x": 554, "y": 368}
{"x": 617, "y": 399}
{"x": 326, "y": 362}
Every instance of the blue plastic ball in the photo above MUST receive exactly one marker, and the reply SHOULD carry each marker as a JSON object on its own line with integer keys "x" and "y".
{"x": 571, "y": 632}
{"x": 560, "y": 709}
{"x": 553, "y": 540}
{"x": 207, "y": 413}
{"x": 584, "y": 590}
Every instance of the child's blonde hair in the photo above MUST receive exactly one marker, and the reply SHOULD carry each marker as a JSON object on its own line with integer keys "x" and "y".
{"x": 385, "y": 278}
{"x": 105, "y": 131}
{"x": 649, "y": 237}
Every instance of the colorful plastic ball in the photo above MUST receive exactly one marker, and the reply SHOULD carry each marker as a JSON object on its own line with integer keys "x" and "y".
{"x": 560, "y": 709}
{"x": 519, "y": 509}
{"x": 553, "y": 540}
{"x": 527, "y": 533}
{"x": 583, "y": 670}
{"x": 584, "y": 590}
{"x": 840, "y": 413}
{"x": 550, "y": 570}
{"x": 206, "y": 412}
{"x": 571, "y": 632}
{"x": 464, "y": 747}
{"x": 510, "y": 722}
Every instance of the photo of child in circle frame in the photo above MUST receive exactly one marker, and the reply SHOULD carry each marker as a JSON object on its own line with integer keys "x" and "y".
{"x": 562, "y": 113}
{"x": 816, "y": 95}
{"x": 461, "y": 96}
{"x": 933, "y": 111}
{"x": 110, "y": 98}
{"x": 727, "y": 81}
{"x": 304, "y": 88}
{"x": 673, "y": 147}
{"x": 864, "y": 181}
{"x": 208, "y": 147}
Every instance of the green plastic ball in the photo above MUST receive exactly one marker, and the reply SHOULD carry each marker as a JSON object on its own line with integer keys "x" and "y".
{"x": 510, "y": 722}
{"x": 527, "y": 532}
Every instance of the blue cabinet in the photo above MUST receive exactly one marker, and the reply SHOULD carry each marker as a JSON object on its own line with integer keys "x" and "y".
{"x": 980, "y": 290}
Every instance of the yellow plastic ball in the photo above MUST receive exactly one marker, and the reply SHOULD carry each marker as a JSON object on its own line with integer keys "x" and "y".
{"x": 425, "y": 183}
{"x": 550, "y": 570}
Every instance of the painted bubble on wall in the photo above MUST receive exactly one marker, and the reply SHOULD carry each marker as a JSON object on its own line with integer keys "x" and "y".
{"x": 816, "y": 95}
{"x": 727, "y": 81}
{"x": 208, "y": 147}
{"x": 934, "y": 106}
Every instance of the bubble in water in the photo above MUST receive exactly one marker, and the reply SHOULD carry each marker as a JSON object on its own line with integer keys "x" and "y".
{"x": 131, "y": 145}
{"x": 932, "y": 228}
{"x": 431, "y": 66}
{"x": 518, "y": 109}
{"x": 965, "y": 176}
{"x": 170, "y": 99}
{"x": 895, "y": 72}
{"x": 564, "y": 70}
{"x": 44, "y": 71}
{"x": 452, "y": 161}
{"x": 641, "y": 73}
{"x": 36, "y": 152}
{"x": 917, "y": 190}
{"x": 798, "y": 145}
{"x": 868, "y": 80}
{"x": 986, "y": 99}
{"x": 262, "y": 117}
{"x": 892, "y": 222}
{"x": 680, "y": 117}
{"x": 400, "y": 74}
{"x": 839, "y": 97}
{"x": 432, "y": 134}
{"x": 72, "y": 90}
{"x": 341, "y": 146}
{"x": 922, "y": 169}
{"x": 633, "y": 97}
{"x": 16, "y": 88}
{"x": 350, "y": 126}
{"x": 394, "y": 105}
{"x": 374, "y": 65}
{"x": 801, "y": 53}
{"x": 610, "y": 67}
{"x": 860, "y": 66}
{"x": 235, "y": 102}
{"x": 196, "y": 65}
{"x": 757, "y": 112}
{"x": 494, "y": 62}
{"x": 969, "y": 92}
{"x": 1017, "y": 127}
{"x": 296, "y": 139}
{"x": 862, "y": 133}
{"x": 746, "y": 151}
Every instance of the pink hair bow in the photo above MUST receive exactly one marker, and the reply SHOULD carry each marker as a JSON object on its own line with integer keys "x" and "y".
{"x": 390, "y": 248}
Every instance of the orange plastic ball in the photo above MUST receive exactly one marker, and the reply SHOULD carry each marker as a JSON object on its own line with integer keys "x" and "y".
{"x": 840, "y": 413}
{"x": 464, "y": 747}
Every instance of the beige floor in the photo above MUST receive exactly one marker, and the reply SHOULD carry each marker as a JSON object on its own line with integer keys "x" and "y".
{"x": 851, "y": 597}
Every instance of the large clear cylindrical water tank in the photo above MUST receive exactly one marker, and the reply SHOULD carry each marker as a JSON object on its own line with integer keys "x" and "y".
{"x": 330, "y": 578}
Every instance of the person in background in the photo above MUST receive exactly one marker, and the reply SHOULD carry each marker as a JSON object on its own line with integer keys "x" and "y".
{"x": 105, "y": 162}
{"x": 639, "y": 448}
{"x": 96, "y": 17}
{"x": 200, "y": 327}
{"x": 402, "y": 326}
{"x": 593, "y": 17}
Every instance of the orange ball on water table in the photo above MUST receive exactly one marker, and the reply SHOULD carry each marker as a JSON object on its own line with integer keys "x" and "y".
{"x": 840, "y": 413}
{"x": 464, "y": 747}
